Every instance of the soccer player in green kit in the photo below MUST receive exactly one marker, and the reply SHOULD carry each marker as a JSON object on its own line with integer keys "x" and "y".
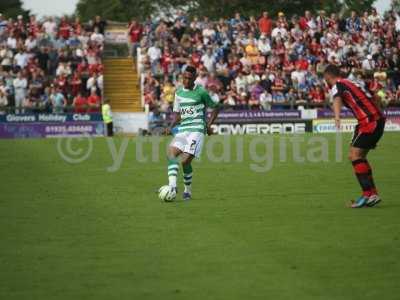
{"x": 190, "y": 108}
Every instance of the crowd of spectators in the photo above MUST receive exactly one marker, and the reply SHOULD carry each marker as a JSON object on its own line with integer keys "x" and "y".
{"x": 51, "y": 65}
{"x": 268, "y": 62}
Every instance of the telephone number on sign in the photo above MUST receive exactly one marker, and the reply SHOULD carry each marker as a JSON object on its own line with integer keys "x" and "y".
{"x": 69, "y": 129}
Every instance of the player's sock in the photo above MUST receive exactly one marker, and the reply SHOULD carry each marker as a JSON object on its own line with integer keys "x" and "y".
{"x": 173, "y": 168}
{"x": 187, "y": 177}
{"x": 363, "y": 173}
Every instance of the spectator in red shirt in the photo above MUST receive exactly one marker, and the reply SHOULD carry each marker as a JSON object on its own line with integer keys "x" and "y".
{"x": 76, "y": 84}
{"x": 234, "y": 65}
{"x": 304, "y": 20}
{"x": 93, "y": 101}
{"x": 83, "y": 67}
{"x": 94, "y": 69}
{"x": 302, "y": 63}
{"x": 61, "y": 83}
{"x": 265, "y": 24}
{"x": 80, "y": 103}
{"x": 64, "y": 29}
{"x": 315, "y": 47}
{"x": 33, "y": 27}
{"x": 166, "y": 61}
{"x": 77, "y": 27}
{"x": 135, "y": 33}
{"x": 317, "y": 95}
{"x": 196, "y": 59}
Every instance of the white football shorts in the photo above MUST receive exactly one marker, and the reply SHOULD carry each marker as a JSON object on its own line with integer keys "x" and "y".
{"x": 189, "y": 142}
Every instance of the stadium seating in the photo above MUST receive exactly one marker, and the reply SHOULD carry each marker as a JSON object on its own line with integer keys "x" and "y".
{"x": 273, "y": 62}
{"x": 122, "y": 84}
{"x": 51, "y": 65}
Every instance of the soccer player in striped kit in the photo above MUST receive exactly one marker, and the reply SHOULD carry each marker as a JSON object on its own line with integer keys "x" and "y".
{"x": 190, "y": 108}
{"x": 368, "y": 132}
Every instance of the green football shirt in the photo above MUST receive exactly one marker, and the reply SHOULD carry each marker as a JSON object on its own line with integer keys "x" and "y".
{"x": 192, "y": 106}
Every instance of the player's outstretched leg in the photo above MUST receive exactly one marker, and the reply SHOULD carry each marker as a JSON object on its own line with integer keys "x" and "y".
{"x": 187, "y": 180}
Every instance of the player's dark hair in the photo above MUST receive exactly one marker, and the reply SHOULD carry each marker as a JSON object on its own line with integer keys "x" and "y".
{"x": 333, "y": 70}
{"x": 191, "y": 70}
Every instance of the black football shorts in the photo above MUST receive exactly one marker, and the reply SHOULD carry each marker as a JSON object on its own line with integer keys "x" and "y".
{"x": 368, "y": 139}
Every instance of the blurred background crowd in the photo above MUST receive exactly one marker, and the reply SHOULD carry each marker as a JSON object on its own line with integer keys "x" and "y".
{"x": 51, "y": 65}
{"x": 268, "y": 62}
{"x": 262, "y": 62}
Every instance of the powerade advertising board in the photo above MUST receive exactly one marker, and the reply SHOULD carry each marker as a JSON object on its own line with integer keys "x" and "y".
{"x": 271, "y": 127}
{"x": 243, "y": 122}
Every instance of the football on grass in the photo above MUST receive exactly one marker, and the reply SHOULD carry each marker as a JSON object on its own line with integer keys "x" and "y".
{"x": 166, "y": 193}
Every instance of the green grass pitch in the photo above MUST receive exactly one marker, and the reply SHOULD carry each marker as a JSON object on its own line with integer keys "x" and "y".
{"x": 77, "y": 231}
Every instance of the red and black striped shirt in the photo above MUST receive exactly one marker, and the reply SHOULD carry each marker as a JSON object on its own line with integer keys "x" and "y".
{"x": 358, "y": 100}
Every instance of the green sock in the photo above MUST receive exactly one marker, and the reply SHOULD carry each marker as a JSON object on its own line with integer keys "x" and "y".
{"x": 173, "y": 168}
{"x": 187, "y": 177}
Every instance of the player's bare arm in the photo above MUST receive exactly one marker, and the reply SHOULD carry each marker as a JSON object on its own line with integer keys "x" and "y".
{"x": 211, "y": 121}
{"x": 176, "y": 119}
{"x": 337, "y": 108}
